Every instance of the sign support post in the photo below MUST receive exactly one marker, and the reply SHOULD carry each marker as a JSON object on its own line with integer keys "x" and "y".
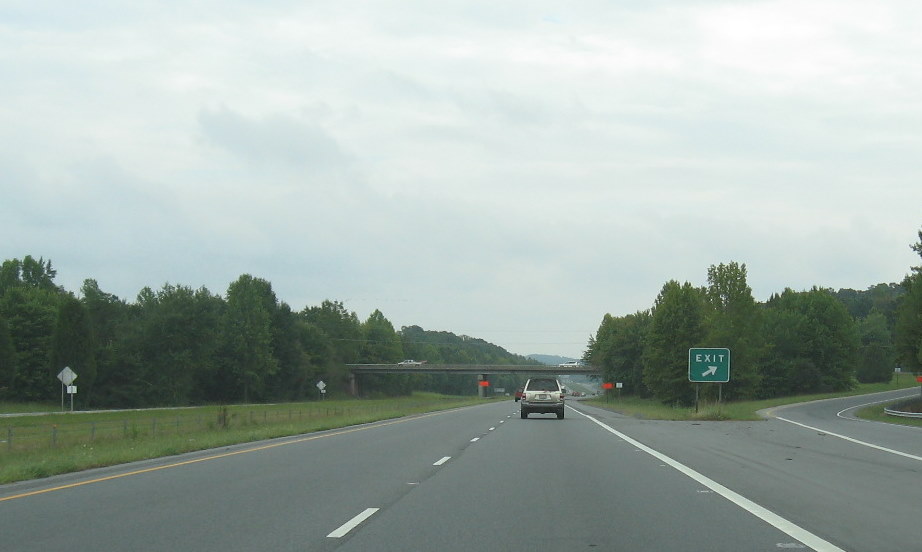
{"x": 323, "y": 389}
{"x": 709, "y": 365}
{"x": 67, "y": 377}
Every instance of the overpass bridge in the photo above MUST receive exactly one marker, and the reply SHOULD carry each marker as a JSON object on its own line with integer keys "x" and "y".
{"x": 482, "y": 370}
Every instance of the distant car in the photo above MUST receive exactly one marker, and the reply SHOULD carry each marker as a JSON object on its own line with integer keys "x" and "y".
{"x": 410, "y": 362}
{"x": 543, "y": 396}
{"x": 519, "y": 393}
{"x": 571, "y": 364}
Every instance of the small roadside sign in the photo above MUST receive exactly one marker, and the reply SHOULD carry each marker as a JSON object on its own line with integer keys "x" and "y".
{"x": 67, "y": 376}
{"x": 709, "y": 365}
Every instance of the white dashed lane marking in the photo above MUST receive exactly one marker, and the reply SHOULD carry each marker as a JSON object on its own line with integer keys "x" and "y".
{"x": 352, "y": 523}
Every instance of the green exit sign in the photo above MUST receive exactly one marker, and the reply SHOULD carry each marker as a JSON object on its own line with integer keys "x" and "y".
{"x": 709, "y": 365}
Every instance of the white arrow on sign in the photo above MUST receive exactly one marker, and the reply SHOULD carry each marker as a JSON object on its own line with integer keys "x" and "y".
{"x": 709, "y": 372}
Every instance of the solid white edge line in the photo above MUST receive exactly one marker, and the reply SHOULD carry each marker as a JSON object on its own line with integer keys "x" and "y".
{"x": 352, "y": 523}
{"x": 852, "y": 440}
{"x": 856, "y": 407}
{"x": 773, "y": 519}
{"x": 442, "y": 461}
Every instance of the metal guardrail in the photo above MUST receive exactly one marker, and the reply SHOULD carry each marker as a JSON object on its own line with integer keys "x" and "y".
{"x": 894, "y": 410}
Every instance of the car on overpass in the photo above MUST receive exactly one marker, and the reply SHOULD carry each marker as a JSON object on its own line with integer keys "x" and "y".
{"x": 543, "y": 396}
{"x": 411, "y": 362}
{"x": 572, "y": 364}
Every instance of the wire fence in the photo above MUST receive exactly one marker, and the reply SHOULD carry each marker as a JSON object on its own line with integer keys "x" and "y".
{"x": 38, "y": 436}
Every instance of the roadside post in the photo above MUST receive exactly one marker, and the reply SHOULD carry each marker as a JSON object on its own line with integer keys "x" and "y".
{"x": 323, "y": 389}
{"x": 482, "y": 385}
{"x": 71, "y": 390}
{"x": 67, "y": 377}
{"x": 607, "y": 386}
{"x": 709, "y": 365}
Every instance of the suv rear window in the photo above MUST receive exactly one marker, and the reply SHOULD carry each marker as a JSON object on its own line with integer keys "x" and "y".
{"x": 542, "y": 385}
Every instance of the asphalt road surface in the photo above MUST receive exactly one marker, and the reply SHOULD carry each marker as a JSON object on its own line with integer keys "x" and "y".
{"x": 480, "y": 478}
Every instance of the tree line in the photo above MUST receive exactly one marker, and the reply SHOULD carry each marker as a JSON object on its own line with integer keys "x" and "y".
{"x": 796, "y": 342}
{"x": 178, "y": 345}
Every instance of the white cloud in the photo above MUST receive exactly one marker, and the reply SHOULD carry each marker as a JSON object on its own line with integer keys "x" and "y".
{"x": 276, "y": 140}
{"x": 511, "y": 171}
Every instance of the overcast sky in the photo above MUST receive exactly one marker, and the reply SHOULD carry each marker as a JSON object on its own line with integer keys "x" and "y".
{"x": 509, "y": 170}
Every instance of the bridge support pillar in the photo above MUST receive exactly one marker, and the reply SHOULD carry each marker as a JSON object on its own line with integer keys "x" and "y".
{"x": 482, "y": 384}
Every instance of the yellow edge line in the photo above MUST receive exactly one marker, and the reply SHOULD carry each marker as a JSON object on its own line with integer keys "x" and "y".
{"x": 216, "y": 456}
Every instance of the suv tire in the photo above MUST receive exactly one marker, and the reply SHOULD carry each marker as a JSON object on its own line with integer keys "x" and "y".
{"x": 524, "y": 414}
{"x": 560, "y": 415}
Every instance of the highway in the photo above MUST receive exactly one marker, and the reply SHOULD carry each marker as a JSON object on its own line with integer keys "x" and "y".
{"x": 480, "y": 478}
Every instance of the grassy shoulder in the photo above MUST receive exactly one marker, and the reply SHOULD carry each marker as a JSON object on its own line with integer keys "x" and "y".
{"x": 33, "y": 447}
{"x": 23, "y": 408}
{"x": 652, "y": 409}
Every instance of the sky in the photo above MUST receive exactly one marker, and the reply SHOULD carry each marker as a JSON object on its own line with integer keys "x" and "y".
{"x": 510, "y": 171}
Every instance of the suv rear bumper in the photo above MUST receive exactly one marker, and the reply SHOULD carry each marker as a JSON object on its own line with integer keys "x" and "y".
{"x": 542, "y": 407}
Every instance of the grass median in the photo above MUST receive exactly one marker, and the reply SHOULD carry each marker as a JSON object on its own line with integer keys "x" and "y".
{"x": 39, "y": 446}
{"x": 651, "y": 409}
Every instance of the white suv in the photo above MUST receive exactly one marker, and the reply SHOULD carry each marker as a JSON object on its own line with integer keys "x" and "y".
{"x": 543, "y": 395}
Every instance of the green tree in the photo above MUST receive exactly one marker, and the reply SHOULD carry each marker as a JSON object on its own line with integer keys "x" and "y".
{"x": 813, "y": 333}
{"x": 29, "y": 301}
{"x": 908, "y": 329}
{"x": 31, "y": 314}
{"x": 677, "y": 325}
{"x": 303, "y": 353}
{"x": 907, "y": 337}
{"x": 341, "y": 327}
{"x": 381, "y": 344}
{"x": 109, "y": 318}
{"x": 251, "y": 305}
{"x": 618, "y": 349}
{"x": 7, "y": 359}
{"x": 73, "y": 344}
{"x": 28, "y": 272}
{"x": 876, "y": 357}
{"x": 882, "y": 298}
{"x": 789, "y": 368}
{"x": 169, "y": 347}
{"x": 734, "y": 322}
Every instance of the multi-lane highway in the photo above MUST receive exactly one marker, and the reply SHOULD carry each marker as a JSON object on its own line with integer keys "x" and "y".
{"x": 481, "y": 478}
